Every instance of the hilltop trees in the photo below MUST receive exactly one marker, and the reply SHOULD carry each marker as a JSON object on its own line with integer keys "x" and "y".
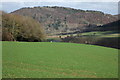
{"x": 21, "y": 28}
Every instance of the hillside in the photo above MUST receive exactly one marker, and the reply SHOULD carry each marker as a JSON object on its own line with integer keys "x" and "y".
{"x": 58, "y": 60}
{"x": 60, "y": 19}
{"x": 113, "y": 26}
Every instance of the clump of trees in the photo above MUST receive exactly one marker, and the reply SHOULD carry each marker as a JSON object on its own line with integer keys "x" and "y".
{"x": 21, "y": 28}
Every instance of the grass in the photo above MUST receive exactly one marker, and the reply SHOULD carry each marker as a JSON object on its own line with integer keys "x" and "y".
{"x": 102, "y": 33}
{"x": 1, "y": 59}
{"x": 58, "y": 60}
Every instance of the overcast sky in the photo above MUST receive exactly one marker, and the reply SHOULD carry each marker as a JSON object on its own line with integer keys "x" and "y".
{"x": 60, "y": 0}
{"x": 106, "y": 7}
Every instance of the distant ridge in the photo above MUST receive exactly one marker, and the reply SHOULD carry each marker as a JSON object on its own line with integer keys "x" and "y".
{"x": 63, "y": 19}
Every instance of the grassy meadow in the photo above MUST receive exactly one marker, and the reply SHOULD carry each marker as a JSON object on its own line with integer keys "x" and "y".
{"x": 58, "y": 60}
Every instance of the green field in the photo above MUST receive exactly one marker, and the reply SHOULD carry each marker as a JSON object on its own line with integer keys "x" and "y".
{"x": 102, "y": 33}
{"x": 58, "y": 60}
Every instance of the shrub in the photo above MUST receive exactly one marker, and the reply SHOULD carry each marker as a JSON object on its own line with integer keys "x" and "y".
{"x": 7, "y": 36}
{"x": 22, "y": 28}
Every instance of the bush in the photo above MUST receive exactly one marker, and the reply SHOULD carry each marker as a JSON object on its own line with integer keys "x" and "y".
{"x": 22, "y": 28}
{"x": 7, "y": 36}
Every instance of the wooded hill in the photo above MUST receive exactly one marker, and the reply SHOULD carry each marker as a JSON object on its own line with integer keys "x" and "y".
{"x": 61, "y": 19}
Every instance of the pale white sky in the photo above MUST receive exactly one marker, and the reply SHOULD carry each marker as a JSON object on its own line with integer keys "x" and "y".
{"x": 60, "y": 0}
{"x": 106, "y": 6}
